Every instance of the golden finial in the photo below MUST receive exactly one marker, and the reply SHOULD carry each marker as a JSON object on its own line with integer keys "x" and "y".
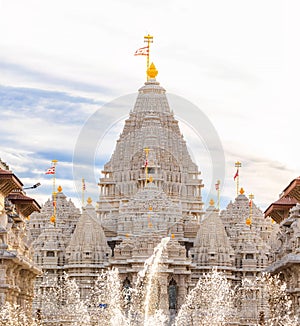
{"x": 150, "y": 179}
{"x": 127, "y": 235}
{"x": 150, "y": 225}
{"x": 52, "y": 219}
{"x": 238, "y": 164}
{"x": 173, "y": 236}
{"x": 248, "y": 221}
{"x": 150, "y": 208}
{"x": 242, "y": 191}
{"x": 89, "y": 200}
{"x": 212, "y": 202}
{"x": 152, "y": 71}
{"x": 59, "y": 189}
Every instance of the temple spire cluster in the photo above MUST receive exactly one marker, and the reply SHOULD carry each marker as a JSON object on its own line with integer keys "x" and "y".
{"x": 150, "y": 189}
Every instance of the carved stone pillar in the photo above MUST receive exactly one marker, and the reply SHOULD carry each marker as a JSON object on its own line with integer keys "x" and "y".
{"x": 164, "y": 296}
{"x": 182, "y": 290}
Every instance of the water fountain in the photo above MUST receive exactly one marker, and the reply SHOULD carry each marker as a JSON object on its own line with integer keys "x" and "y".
{"x": 210, "y": 303}
{"x": 213, "y": 301}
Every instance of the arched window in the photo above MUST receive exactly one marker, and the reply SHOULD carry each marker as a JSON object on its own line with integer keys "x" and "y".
{"x": 172, "y": 290}
{"x": 127, "y": 290}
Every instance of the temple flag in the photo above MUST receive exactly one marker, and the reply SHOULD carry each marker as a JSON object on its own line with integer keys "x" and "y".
{"x": 50, "y": 170}
{"x": 236, "y": 174}
{"x": 142, "y": 51}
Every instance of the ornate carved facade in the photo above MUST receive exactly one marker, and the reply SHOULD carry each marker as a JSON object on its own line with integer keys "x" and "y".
{"x": 285, "y": 258}
{"x": 17, "y": 270}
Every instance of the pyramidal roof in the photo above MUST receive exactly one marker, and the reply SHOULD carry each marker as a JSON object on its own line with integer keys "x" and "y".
{"x": 51, "y": 239}
{"x": 63, "y": 207}
{"x": 88, "y": 238}
{"x": 249, "y": 241}
{"x": 239, "y": 209}
{"x": 151, "y": 124}
{"x": 67, "y": 215}
{"x": 150, "y": 135}
{"x": 212, "y": 244}
{"x": 236, "y": 213}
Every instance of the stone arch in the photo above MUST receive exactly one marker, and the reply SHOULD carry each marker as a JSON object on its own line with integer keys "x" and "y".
{"x": 127, "y": 290}
{"x": 173, "y": 294}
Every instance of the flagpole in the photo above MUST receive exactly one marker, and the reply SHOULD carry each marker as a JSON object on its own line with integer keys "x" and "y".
{"x": 83, "y": 189}
{"x": 249, "y": 222}
{"x": 54, "y": 162}
{"x": 237, "y": 165}
{"x": 251, "y": 197}
{"x": 148, "y": 39}
{"x": 146, "y": 165}
{"x": 218, "y": 192}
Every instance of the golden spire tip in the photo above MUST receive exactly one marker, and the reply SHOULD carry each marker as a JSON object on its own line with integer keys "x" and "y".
{"x": 152, "y": 71}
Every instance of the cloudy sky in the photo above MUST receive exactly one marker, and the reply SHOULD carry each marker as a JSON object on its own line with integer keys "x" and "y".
{"x": 62, "y": 62}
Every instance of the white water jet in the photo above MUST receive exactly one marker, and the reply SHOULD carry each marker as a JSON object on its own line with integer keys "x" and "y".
{"x": 210, "y": 303}
{"x": 106, "y": 300}
{"x": 213, "y": 301}
{"x": 151, "y": 268}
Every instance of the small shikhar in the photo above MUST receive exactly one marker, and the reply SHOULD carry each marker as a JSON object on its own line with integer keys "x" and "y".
{"x": 149, "y": 190}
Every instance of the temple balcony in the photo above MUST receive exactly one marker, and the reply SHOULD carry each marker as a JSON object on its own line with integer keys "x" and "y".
{"x": 249, "y": 263}
{"x": 106, "y": 181}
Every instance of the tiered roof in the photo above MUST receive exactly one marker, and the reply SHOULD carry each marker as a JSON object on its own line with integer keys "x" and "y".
{"x": 279, "y": 210}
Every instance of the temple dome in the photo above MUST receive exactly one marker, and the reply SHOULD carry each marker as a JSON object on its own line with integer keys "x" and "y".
{"x": 88, "y": 243}
{"x": 150, "y": 211}
{"x": 212, "y": 246}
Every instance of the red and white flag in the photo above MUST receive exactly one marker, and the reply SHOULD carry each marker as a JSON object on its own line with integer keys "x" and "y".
{"x": 146, "y": 163}
{"x": 236, "y": 174}
{"x": 217, "y": 185}
{"x": 83, "y": 185}
{"x": 50, "y": 170}
{"x": 142, "y": 51}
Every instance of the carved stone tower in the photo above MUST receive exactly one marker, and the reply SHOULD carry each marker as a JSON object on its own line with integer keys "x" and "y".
{"x": 151, "y": 146}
